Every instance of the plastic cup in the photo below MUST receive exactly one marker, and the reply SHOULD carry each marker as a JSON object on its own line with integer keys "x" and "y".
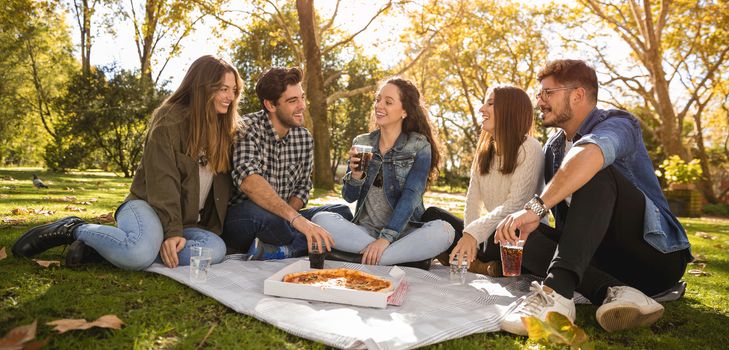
{"x": 200, "y": 260}
{"x": 316, "y": 256}
{"x": 458, "y": 272}
{"x": 511, "y": 258}
{"x": 364, "y": 153}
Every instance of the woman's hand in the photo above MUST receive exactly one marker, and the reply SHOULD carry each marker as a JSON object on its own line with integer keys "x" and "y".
{"x": 170, "y": 247}
{"x": 354, "y": 163}
{"x": 372, "y": 253}
{"x": 466, "y": 246}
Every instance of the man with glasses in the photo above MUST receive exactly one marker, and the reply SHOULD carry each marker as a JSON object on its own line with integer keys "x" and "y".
{"x": 615, "y": 239}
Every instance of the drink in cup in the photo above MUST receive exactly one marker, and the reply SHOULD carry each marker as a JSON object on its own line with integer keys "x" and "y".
{"x": 458, "y": 272}
{"x": 511, "y": 258}
{"x": 200, "y": 260}
{"x": 316, "y": 256}
{"x": 364, "y": 153}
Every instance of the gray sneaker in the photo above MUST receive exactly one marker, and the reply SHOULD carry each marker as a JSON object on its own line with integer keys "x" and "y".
{"x": 625, "y": 308}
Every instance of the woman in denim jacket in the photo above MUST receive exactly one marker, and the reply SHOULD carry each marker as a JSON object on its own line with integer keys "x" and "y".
{"x": 386, "y": 228}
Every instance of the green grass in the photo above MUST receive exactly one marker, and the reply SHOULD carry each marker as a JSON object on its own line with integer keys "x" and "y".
{"x": 161, "y": 313}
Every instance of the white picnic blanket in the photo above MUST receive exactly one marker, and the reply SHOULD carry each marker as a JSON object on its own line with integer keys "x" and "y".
{"x": 435, "y": 309}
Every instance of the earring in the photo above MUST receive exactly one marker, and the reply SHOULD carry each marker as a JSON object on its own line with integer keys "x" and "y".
{"x": 403, "y": 116}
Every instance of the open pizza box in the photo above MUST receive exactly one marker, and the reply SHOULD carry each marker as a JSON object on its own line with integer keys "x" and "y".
{"x": 275, "y": 285}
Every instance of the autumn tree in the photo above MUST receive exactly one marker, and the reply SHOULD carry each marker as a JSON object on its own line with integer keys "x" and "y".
{"x": 678, "y": 52}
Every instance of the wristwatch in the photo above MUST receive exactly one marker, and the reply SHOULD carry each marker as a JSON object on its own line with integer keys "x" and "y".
{"x": 536, "y": 205}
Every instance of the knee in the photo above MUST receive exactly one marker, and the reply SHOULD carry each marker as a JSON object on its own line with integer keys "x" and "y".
{"x": 325, "y": 218}
{"x": 441, "y": 232}
{"x": 342, "y": 210}
{"x": 218, "y": 246}
{"x": 135, "y": 257}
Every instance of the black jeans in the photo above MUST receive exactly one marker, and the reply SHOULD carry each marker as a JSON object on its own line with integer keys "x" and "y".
{"x": 601, "y": 244}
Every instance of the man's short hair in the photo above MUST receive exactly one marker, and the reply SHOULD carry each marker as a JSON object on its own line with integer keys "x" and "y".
{"x": 571, "y": 72}
{"x": 273, "y": 82}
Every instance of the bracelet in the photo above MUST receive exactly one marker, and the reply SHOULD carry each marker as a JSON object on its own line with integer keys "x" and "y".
{"x": 294, "y": 219}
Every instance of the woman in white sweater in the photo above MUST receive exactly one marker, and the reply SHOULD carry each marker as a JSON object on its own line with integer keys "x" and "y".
{"x": 505, "y": 174}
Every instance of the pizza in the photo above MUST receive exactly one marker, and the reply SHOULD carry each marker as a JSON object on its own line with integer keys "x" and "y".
{"x": 340, "y": 278}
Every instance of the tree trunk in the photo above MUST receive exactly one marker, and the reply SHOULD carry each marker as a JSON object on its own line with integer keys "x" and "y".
{"x": 314, "y": 82}
{"x": 152, "y": 10}
{"x": 706, "y": 184}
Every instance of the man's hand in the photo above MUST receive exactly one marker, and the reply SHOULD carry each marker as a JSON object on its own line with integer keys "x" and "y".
{"x": 314, "y": 233}
{"x": 372, "y": 253}
{"x": 467, "y": 247}
{"x": 526, "y": 221}
{"x": 353, "y": 163}
{"x": 170, "y": 247}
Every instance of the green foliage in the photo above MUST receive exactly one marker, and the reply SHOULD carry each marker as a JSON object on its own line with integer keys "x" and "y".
{"x": 719, "y": 209}
{"x": 677, "y": 171}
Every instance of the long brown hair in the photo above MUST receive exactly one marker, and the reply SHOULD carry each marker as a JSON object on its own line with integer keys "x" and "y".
{"x": 209, "y": 132}
{"x": 513, "y": 118}
{"x": 417, "y": 119}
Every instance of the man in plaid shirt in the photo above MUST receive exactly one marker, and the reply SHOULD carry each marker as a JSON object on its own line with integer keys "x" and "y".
{"x": 272, "y": 164}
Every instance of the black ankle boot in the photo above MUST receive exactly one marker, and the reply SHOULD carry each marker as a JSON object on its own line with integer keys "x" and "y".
{"x": 44, "y": 237}
{"x": 338, "y": 255}
{"x": 422, "y": 264}
{"x": 78, "y": 253}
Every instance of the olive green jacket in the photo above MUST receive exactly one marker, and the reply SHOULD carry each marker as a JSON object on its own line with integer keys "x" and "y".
{"x": 169, "y": 181}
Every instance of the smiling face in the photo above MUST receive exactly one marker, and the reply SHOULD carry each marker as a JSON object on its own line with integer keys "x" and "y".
{"x": 388, "y": 106}
{"x": 488, "y": 123}
{"x": 556, "y": 108}
{"x": 226, "y": 94}
{"x": 288, "y": 112}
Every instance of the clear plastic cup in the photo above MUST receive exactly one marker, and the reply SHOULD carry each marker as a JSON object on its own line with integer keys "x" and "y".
{"x": 458, "y": 272}
{"x": 200, "y": 260}
{"x": 364, "y": 153}
{"x": 511, "y": 258}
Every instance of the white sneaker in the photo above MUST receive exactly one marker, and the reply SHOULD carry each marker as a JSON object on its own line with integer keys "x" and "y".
{"x": 537, "y": 303}
{"x": 625, "y": 307}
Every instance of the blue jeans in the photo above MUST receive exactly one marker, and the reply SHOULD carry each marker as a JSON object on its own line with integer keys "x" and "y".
{"x": 134, "y": 244}
{"x": 422, "y": 243}
{"x": 246, "y": 221}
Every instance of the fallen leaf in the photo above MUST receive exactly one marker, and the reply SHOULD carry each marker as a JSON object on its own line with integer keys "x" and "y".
{"x": 81, "y": 189}
{"x": 3, "y": 254}
{"x": 38, "y": 344}
{"x": 20, "y": 211}
{"x": 705, "y": 235}
{"x": 107, "y": 218}
{"x": 69, "y": 189}
{"x": 106, "y": 321}
{"x": 12, "y": 221}
{"x": 556, "y": 329}
{"x": 18, "y": 335}
{"x": 3, "y": 195}
{"x": 73, "y": 208}
{"x": 68, "y": 199}
{"x": 93, "y": 200}
{"x": 48, "y": 263}
{"x": 698, "y": 259}
{"x": 8, "y": 178}
{"x": 699, "y": 271}
{"x": 84, "y": 203}
{"x": 42, "y": 211}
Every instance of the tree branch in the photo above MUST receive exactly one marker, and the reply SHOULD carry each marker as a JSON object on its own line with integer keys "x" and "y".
{"x": 351, "y": 37}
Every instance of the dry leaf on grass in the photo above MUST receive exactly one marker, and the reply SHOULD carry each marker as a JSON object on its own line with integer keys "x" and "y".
{"x": 699, "y": 271}
{"x": 73, "y": 208}
{"x": 698, "y": 259}
{"x": 48, "y": 263}
{"x": 106, "y": 321}
{"x": 3, "y": 254}
{"x": 93, "y": 200}
{"x": 8, "y": 178}
{"x": 42, "y": 211}
{"x": 84, "y": 203}
{"x": 69, "y": 189}
{"x": 705, "y": 235}
{"x": 18, "y": 335}
{"x": 20, "y": 211}
{"x": 11, "y": 221}
{"x": 107, "y": 218}
{"x": 3, "y": 195}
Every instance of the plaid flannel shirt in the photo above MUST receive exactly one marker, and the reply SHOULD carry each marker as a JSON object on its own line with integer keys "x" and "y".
{"x": 285, "y": 162}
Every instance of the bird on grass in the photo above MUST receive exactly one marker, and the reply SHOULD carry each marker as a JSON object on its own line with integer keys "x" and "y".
{"x": 38, "y": 183}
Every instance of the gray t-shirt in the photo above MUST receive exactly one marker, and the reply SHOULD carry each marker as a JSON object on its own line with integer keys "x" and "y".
{"x": 377, "y": 212}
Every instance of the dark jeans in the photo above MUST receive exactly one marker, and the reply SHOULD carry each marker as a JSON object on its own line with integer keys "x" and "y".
{"x": 246, "y": 220}
{"x": 489, "y": 254}
{"x": 601, "y": 244}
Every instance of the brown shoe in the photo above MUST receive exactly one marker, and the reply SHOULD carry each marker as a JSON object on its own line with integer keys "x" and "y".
{"x": 443, "y": 258}
{"x": 491, "y": 268}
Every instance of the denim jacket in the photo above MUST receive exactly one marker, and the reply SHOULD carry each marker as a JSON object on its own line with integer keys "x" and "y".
{"x": 405, "y": 170}
{"x": 619, "y": 137}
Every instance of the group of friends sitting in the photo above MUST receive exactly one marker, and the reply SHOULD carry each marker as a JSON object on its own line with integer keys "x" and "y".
{"x": 212, "y": 178}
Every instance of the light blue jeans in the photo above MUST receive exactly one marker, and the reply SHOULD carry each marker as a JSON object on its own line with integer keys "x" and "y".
{"x": 425, "y": 242}
{"x": 135, "y": 243}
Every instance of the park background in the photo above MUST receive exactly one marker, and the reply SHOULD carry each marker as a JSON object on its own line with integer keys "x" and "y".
{"x": 80, "y": 78}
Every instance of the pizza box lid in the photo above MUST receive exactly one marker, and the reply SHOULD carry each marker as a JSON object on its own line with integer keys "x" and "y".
{"x": 275, "y": 285}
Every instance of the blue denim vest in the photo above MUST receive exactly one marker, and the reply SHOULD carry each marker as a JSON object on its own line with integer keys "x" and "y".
{"x": 618, "y": 135}
{"x": 405, "y": 170}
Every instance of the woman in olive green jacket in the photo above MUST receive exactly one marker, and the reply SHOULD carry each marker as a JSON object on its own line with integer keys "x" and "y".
{"x": 180, "y": 191}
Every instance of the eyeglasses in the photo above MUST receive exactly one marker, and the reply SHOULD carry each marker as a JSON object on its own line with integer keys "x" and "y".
{"x": 545, "y": 93}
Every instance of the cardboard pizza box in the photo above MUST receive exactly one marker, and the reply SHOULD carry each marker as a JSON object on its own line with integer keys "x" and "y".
{"x": 275, "y": 285}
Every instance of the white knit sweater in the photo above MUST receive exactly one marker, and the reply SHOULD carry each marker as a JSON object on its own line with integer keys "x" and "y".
{"x": 500, "y": 194}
